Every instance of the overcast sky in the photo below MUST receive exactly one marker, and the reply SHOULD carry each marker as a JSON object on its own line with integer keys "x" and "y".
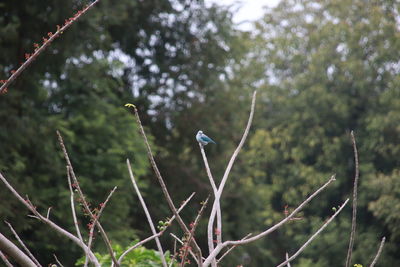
{"x": 250, "y": 9}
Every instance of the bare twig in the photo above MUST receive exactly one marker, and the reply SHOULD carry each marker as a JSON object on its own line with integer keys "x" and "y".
{"x": 46, "y": 43}
{"x": 219, "y": 247}
{"x": 313, "y": 236}
{"x": 78, "y": 231}
{"x": 226, "y": 174}
{"x": 14, "y": 252}
{"x": 156, "y": 235}
{"x": 378, "y": 253}
{"x": 181, "y": 242}
{"x": 162, "y": 183}
{"x": 23, "y": 245}
{"x": 354, "y": 218}
{"x": 49, "y": 222}
{"x": 230, "y": 249}
{"x": 146, "y": 211}
{"x": 4, "y": 258}
{"x": 192, "y": 231}
{"x": 215, "y": 190}
{"x": 97, "y": 217}
{"x": 85, "y": 204}
{"x": 173, "y": 256}
{"x": 58, "y": 262}
{"x": 287, "y": 259}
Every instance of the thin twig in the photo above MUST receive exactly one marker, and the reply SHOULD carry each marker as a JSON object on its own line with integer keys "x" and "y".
{"x": 378, "y": 253}
{"x": 91, "y": 232}
{"x": 46, "y": 43}
{"x": 313, "y": 236}
{"x": 78, "y": 231}
{"x": 173, "y": 255}
{"x": 354, "y": 218}
{"x": 181, "y": 242}
{"x": 230, "y": 249}
{"x": 218, "y": 248}
{"x": 226, "y": 174}
{"x": 192, "y": 231}
{"x": 214, "y": 188}
{"x": 287, "y": 259}
{"x": 162, "y": 183}
{"x": 156, "y": 235}
{"x": 49, "y": 222}
{"x": 58, "y": 262}
{"x": 23, "y": 245}
{"x": 146, "y": 211}
{"x": 4, "y": 258}
{"x": 85, "y": 203}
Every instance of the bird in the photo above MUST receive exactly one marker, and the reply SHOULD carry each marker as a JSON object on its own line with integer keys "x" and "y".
{"x": 203, "y": 139}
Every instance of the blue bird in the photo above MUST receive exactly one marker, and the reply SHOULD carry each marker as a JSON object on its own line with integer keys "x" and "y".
{"x": 203, "y": 139}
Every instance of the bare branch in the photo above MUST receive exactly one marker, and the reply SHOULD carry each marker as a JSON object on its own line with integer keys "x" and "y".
{"x": 218, "y": 248}
{"x": 228, "y": 170}
{"x": 146, "y": 211}
{"x": 97, "y": 217}
{"x": 215, "y": 190}
{"x": 46, "y": 43}
{"x": 23, "y": 245}
{"x": 313, "y": 236}
{"x": 162, "y": 183}
{"x": 192, "y": 231}
{"x": 4, "y": 258}
{"x": 230, "y": 249}
{"x": 78, "y": 231}
{"x": 181, "y": 242}
{"x": 378, "y": 253}
{"x": 58, "y": 262}
{"x": 85, "y": 203}
{"x": 54, "y": 226}
{"x": 156, "y": 235}
{"x": 353, "y": 221}
{"x": 14, "y": 252}
{"x": 287, "y": 259}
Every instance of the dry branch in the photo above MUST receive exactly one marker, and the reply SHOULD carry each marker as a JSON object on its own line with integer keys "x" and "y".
{"x": 5, "y": 260}
{"x": 226, "y": 174}
{"x": 313, "y": 236}
{"x": 30, "y": 255}
{"x": 14, "y": 252}
{"x": 378, "y": 253}
{"x": 219, "y": 247}
{"x": 162, "y": 183}
{"x": 146, "y": 211}
{"x": 215, "y": 190}
{"x": 52, "y": 225}
{"x": 46, "y": 43}
{"x": 85, "y": 203}
{"x": 156, "y": 235}
{"x": 354, "y": 216}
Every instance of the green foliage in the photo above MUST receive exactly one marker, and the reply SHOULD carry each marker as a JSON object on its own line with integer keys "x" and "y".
{"x": 139, "y": 257}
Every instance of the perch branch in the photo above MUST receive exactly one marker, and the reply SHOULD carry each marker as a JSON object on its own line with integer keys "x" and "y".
{"x": 162, "y": 184}
{"x": 354, "y": 219}
{"x": 146, "y": 211}
{"x": 58, "y": 262}
{"x": 230, "y": 249}
{"x": 226, "y": 174}
{"x": 313, "y": 236}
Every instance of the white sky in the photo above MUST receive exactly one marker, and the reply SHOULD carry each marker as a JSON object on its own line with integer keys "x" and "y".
{"x": 250, "y": 10}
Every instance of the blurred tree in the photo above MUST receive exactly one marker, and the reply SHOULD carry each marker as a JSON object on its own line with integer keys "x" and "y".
{"x": 324, "y": 68}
